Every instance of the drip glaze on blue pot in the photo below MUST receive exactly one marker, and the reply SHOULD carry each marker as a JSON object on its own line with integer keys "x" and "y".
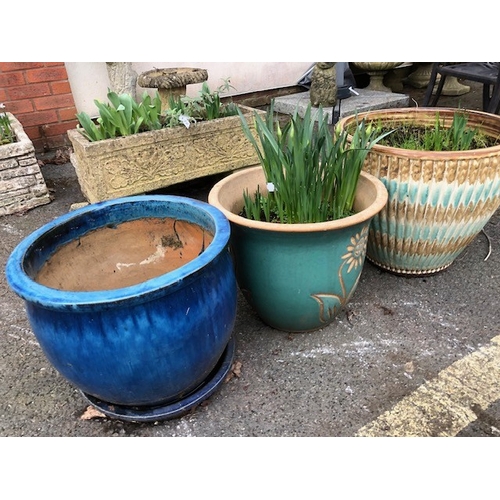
{"x": 142, "y": 345}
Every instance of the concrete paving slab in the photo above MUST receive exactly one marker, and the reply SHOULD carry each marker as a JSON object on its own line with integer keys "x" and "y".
{"x": 367, "y": 100}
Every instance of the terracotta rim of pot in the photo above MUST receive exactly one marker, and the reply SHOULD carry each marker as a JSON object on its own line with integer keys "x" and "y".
{"x": 227, "y": 196}
{"x": 27, "y": 288}
{"x": 489, "y": 124}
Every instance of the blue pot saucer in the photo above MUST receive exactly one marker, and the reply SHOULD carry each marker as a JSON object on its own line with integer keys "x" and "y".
{"x": 173, "y": 409}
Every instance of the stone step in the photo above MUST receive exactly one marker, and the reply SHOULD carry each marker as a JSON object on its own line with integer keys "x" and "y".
{"x": 367, "y": 100}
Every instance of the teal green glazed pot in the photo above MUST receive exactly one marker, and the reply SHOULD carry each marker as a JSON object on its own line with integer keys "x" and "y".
{"x": 439, "y": 201}
{"x": 297, "y": 277}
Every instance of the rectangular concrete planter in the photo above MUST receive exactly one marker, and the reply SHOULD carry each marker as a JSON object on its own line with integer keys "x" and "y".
{"x": 22, "y": 186}
{"x": 144, "y": 162}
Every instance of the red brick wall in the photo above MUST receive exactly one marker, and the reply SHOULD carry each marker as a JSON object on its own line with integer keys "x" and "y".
{"x": 39, "y": 95}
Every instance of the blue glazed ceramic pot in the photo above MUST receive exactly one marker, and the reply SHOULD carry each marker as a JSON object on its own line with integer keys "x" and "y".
{"x": 147, "y": 344}
{"x": 297, "y": 277}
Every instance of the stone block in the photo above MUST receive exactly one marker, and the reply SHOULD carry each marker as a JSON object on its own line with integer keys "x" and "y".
{"x": 365, "y": 101}
{"x": 22, "y": 186}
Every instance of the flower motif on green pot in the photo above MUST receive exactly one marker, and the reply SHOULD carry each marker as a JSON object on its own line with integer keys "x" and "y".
{"x": 355, "y": 255}
{"x": 330, "y": 304}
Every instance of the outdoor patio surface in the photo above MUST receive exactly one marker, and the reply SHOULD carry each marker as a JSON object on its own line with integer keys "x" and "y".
{"x": 407, "y": 357}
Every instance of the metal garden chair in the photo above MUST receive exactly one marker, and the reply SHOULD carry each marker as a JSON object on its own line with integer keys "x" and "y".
{"x": 487, "y": 73}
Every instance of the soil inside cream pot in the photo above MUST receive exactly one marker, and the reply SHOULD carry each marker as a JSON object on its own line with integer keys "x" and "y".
{"x": 123, "y": 255}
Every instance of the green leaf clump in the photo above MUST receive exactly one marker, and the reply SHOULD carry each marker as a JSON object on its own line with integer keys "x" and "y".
{"x": 207, "y": 105}
{"x": 458, "y": 136}
{"x": 124, "y": 116}
{"x": 7, "y": 135}
{"x": 311, "y": 171}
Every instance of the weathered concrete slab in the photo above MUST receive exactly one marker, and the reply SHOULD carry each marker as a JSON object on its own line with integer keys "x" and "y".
{"x": 365, "y": 101}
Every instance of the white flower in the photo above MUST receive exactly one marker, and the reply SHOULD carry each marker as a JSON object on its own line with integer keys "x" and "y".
{"x": 270, "y": 187}
{"x": 184, "y": 120}
{"x": 2, "y": 105}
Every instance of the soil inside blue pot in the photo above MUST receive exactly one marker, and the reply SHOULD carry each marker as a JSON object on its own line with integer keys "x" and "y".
{"x": 125, "y": 254}
{"x": 146, "y": 344}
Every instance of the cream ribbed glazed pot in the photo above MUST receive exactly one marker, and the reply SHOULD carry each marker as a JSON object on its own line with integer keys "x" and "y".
{"x": 438, "y": 201}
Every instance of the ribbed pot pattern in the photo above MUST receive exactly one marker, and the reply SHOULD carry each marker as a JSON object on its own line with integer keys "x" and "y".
{"x": 438, "y": 201}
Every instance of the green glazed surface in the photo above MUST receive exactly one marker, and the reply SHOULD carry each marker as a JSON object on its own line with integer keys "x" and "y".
{"x": 298, "y": 281}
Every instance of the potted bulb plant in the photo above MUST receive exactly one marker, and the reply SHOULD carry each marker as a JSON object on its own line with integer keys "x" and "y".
{"x": 441, "y": 168}
{"x": 300, "y": 219}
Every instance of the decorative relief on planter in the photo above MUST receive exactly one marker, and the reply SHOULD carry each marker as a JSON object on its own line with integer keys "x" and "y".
{"x": 22, "y": 186}
{"x": 144, "y": 162}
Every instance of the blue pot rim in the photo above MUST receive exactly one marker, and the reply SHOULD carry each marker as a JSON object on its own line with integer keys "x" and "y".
{"x": 28, "y": 289}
